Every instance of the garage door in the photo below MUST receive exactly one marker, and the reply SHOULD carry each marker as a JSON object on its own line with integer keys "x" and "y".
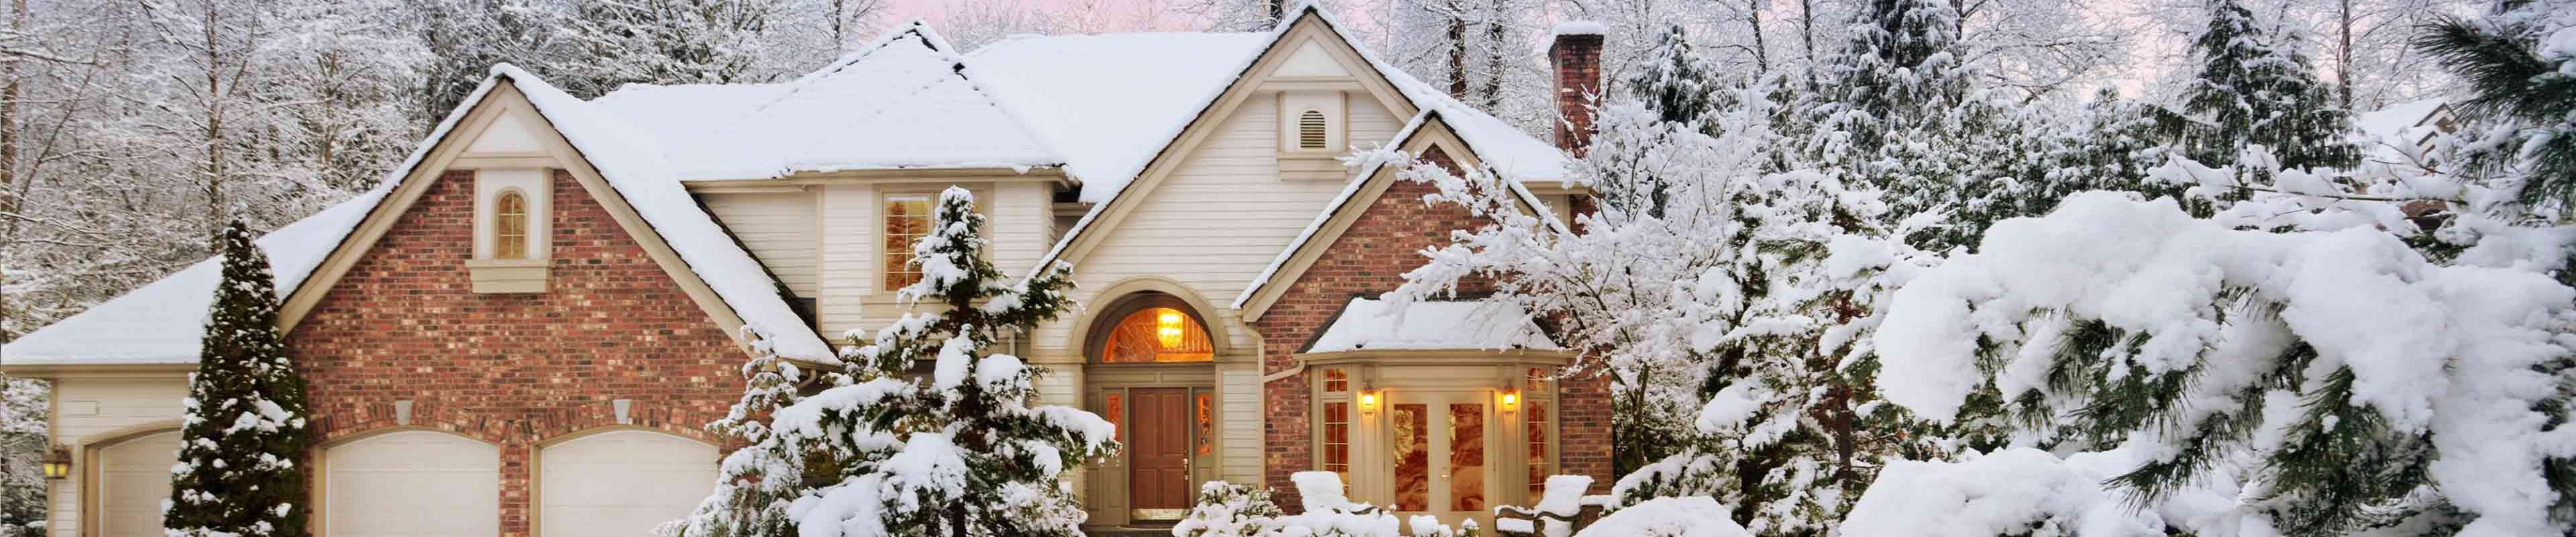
{"x": 413, "y": 483}
{"x": 622, "y": 483}
{"x": 134, "y": 477}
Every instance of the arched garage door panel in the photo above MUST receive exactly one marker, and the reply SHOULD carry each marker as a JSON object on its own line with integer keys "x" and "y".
{"x": 413, "y": 483}
{"x": 134, "y": 477}
{"x": 622, "y": 483}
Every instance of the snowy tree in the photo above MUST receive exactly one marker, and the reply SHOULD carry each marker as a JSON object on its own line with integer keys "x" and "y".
{"x": 753, "y": 495}
{"x": 2517, "y": 64}
{"x": 23, "y": 444}
{"x": 1479, "y": 52}
{"x": 665, "y": 42}
{"x": 463, "y": 39}
{"x": 960, "y": 453}
{"x": 2109, "y": 144}
{"x": 2254, "y": 86}
{"x": 243, "y": 436}
{"x": 1730, "y": 325}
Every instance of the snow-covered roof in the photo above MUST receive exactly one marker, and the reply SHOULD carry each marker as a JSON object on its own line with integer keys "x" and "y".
{"x": 634, "y": 165}
{"x": 164, "y": 321}
{"x": 2396, "y": 119}
{"x": 905, "y": 100}
{"x": 1113, "y": 101}
{"x": 1432, "y": 325}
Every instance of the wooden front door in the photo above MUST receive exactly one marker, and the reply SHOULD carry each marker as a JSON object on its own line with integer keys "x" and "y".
{"x": 1158, "y": 461}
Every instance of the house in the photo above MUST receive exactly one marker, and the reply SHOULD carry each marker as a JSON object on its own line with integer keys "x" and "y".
{"x": 523, "y": 329}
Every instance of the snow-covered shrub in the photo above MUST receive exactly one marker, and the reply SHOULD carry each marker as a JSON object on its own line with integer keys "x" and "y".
{"x": 1685, "y": 516}
{"x": 2018, "y": 491}
{"x": 961, "y": 453}
{"x": 2342, "y": 377}
{"x": 1230, "y": 510}
{"x": 243, "y": 438}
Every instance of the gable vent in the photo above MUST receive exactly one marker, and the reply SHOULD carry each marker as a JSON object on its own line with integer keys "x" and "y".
{"x": 1310, "y": 130}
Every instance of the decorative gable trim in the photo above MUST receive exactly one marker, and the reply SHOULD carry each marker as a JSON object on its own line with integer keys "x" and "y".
{"x": 500, "y": 98}
{"x": 1309, "y": 26}
{"x": 1426, "y": 133}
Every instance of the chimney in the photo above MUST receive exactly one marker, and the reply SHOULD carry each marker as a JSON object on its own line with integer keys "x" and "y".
{"x": 1575, "y": 53}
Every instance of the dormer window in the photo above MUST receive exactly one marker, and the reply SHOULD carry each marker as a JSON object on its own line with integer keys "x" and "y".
{"x": 510, "y": 230}
{"x": 510, "y": 225}
{"x": 1310, "y": 130}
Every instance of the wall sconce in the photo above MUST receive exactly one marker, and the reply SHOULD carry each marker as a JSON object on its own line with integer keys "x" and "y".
{"x": 1511, "y": 399}
{"x": 58, "y": 463}
{"x": 1368, "y": 401}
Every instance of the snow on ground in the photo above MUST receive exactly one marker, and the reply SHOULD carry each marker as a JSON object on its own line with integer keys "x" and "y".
{"x": 1431, "y": 325}
{"x": 1690, "y": 516}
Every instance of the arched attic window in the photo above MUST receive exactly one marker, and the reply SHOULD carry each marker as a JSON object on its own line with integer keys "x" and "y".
{"x": 1159, "y": 329}
{"x": 1310, "y": 130}
{"x": 510, "y": 225}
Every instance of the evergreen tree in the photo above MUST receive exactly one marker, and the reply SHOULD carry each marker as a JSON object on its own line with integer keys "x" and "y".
{"x": 244, "y": 435}
{"x": 753, "y": 495}
{"x": 665, "y": 42}
{"x": 2109, "y": 144}
{"x": 962, "y": 453}
{"x": 2522, "y": 88}
{"x": 2255, "y": 87}
{"x": 1901, "y": 112}
{"x": 1675, "y": 83}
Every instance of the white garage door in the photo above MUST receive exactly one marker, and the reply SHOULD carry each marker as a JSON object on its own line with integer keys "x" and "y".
{"x": 413, "y": 483}
{"x": 134, "y": 477}
{"x": 622, "y": 483}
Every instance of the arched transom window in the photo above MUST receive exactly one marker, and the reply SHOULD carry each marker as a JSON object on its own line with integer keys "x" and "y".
{"x": 1157, "y": 335}
{"x": 510, "y": 226}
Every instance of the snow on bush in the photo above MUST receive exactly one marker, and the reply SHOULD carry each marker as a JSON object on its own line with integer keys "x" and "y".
{"x": 2010, "y": 492}
{"x": 1684, "y": 516}
{"x": 2352, "y": 377}
{"x": 1230, "y": 510}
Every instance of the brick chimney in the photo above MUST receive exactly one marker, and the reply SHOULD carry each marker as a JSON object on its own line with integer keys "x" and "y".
{"x": 1575, "y": 53}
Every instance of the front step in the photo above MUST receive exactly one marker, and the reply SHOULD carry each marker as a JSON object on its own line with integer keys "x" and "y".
{"x": 1129, "y": 531}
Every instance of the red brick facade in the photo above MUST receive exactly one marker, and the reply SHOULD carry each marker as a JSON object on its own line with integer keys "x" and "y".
{"x": 1370, "y": 258}
{"x": 517, "y": 370}
{"x": 1577, "y": 62}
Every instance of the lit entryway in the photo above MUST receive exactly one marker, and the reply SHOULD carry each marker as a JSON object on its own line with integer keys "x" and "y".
{"x": 622, "y": 483}
{"x": 412, "y": 483}
{"x": 1437, "y": 443}
{"x": 133, "y": 480}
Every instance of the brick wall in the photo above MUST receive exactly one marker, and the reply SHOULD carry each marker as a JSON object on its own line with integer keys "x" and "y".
{"x": 520, "y": 369}
{"x": 1370, "y": 258}
{"x": 1576, "y": 58}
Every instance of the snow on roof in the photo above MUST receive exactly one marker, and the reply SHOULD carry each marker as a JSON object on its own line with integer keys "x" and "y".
{"x": 1431, "y": 325}
{"x": 1578, "y": 28}
{"x": 163, "y": 322}
{"x": 2394, "y": 120}
{"x": 1113, "y": 101}
{"x": 905, "y": 100}
{"x": 634, "y": 165}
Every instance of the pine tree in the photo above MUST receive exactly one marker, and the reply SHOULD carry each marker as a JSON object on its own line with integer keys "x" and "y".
{"x": 962, "y": 453}
{"x": 758, "y": 484}
{"x": 2255, "y": 87}
{"x": 665, "y": 42}
{"x": 1674, "y": 82}
{"x": 244, "y": 435}
{"x": 2522, "y": 87}
{"x": 1899, "y": 111}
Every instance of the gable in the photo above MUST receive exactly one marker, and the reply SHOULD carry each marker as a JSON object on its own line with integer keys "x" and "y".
{"x": 1310, "y": 60}
{"x": 506, "y": 135}
{"x": 508, "y": 99}
{"x": 1377, "y": 194}
{"x": 1309, "y": 28}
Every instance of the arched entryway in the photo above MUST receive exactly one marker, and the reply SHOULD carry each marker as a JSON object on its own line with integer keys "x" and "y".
{"x": 1151, "y": 370}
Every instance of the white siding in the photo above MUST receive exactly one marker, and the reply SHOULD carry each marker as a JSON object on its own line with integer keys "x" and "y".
{"x": 1017, "y": 212}
{"x": 780, "y": 229}
{"x": 89, "y": 408}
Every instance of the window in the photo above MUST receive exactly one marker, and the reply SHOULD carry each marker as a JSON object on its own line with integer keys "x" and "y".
{"x": 1535, "y": 421}
{"x": 1336, "y": 381}
{"x": 1157, "y": 335}
{"x": 1466, "y": 457}
{"x": 1116, "y": 409}
{"x": 1411, "y": 449}
{"x": 1310, "y": 130}
{"x": 1205, "y": 403}
{"x": 510, "y": 226}
{"x": 907, "y": 220}
{"x": 1337, "y": 439}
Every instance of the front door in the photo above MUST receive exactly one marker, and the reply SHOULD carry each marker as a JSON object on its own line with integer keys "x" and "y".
{"x": 1158, "y": 479}
{"x": 1438, "y": 443}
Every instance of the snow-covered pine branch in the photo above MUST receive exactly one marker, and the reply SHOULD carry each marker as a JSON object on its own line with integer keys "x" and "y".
{"x": 243, "y": 440}
{"x": 878, "y": 452}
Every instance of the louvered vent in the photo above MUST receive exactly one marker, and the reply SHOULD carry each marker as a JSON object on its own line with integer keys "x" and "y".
{"x": 1310, "y": 130}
